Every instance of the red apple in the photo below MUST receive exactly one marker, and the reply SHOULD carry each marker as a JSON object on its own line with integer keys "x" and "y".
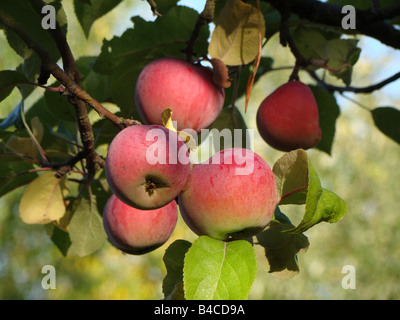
{"x": 137, "y": 231}
{"x": 231, "y": 196}
{"x": 186, "y": 88}
{"x": 288, "y": 118}
{"x": 147, "y": 166}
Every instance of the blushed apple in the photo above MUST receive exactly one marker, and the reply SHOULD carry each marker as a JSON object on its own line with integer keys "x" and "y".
{"x": 147, "y": 166}
{"x": 288, "y": 118}
{"x": 137, "y": 231}
{"x": 232, "y": 195}
{"x": 186, "y": 88}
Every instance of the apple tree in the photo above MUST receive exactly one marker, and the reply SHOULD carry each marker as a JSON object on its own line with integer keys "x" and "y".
{"x": 59, "y": 155}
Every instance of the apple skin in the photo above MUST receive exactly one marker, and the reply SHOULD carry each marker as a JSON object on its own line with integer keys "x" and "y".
{"x": 138, "y": 182}
{"x": 186, "y": 88}
{"x": 221, "y": 204}
{"x": 135, "y": 231}
{"x": 288, "y": 118}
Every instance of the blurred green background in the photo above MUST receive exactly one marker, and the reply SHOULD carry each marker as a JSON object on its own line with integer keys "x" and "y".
{"x": 363, "y": 170}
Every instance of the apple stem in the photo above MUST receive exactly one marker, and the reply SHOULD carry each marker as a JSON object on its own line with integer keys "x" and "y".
{"x": 150, "y": 187}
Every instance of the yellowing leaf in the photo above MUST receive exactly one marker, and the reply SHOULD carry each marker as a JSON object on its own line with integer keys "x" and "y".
{"x": 42, "y": 201}
{"x": 26, "y": 145}
{"x": 235, "y": 39}
{"x": 166, "y": 118}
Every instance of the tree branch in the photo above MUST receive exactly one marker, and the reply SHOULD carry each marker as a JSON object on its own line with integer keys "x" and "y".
{"x": 286, "y": 39}
{"x": 367, "y": 89}
{"x": 71, "y": 80}
{"x": 368, "y": 23}
{"x": 153, "y": 7}
{"x": 62, "y": 76}
{"x": 205, "y": 17}
{"x": 387, "y": 13}
{"x": 69, "y": 63}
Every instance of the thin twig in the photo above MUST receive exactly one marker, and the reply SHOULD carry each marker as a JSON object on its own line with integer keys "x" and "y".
{"x": 328, "y": 14}
{"x": 153, "y": 7}
{"x": 22, "y": 156}
{"x": 287, "y": 39}
{"x": 368, "y": 89}
{"x": 205, "y": 17}
{"x": 42, "y": 153}
{"x": 58, "y": 73}
{"x": 355, "y": 102}
{"x": 235, "y": 88}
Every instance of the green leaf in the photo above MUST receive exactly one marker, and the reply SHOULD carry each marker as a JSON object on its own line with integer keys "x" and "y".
{"x": 174, "y": 260}
{"x": 165, "y": 5}
{"x": 281, "y": 217}
{"x": 124, "y": 57}
{"x": 281, "y": 249}
{"x": 8, "y": 80}
{"x": 298, "y": 183}
{"x": 86, "y": 1}
{"x": 105, "y": 131}
{"x": 166, "y": 36}
{"x": 60, "y": 107}
{"x": 86, "y": 227}
{"x": 13, "y": 119}
{"x": 291, "y": 175}
{"x": 219, "y": 270}
{"x": 14, "y": 173}
{"x": 387, "y": 120}
{"x": 341, "y": 54}
{"x": 88, "y": 13}
{"x": 235, "y": 39}
{"x": 273, "y": 22}
{"x": 96, "y": 84}
{"x": 321, "y": 205}
{"x": 43, "y": 200}
{"x": 30, "y": 20}
{"x": 329, "y": 111}
{"x": 46, "y": 116}
{"x": 28, "y": 145}
{"x": 59, "y": 237}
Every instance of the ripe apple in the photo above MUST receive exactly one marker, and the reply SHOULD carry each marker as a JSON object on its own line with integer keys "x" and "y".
{"x": 147, "y": 166}
{"x": 288, "y": 118}
{"x": 232, "y": 195}
{"x": 186, "y": 88}
{"x": 137, "y": 231}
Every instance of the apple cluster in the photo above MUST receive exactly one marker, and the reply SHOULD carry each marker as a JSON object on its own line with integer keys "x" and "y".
{"x": 232, "y": 195}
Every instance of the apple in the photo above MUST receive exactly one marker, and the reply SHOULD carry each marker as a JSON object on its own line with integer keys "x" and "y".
{"x": 288, "y": 118}
{"x": 233, "y": 195}
{"x": 137, "y": 231}
{"x": 186, "y": 88}
{"x": 147, "y": 166}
